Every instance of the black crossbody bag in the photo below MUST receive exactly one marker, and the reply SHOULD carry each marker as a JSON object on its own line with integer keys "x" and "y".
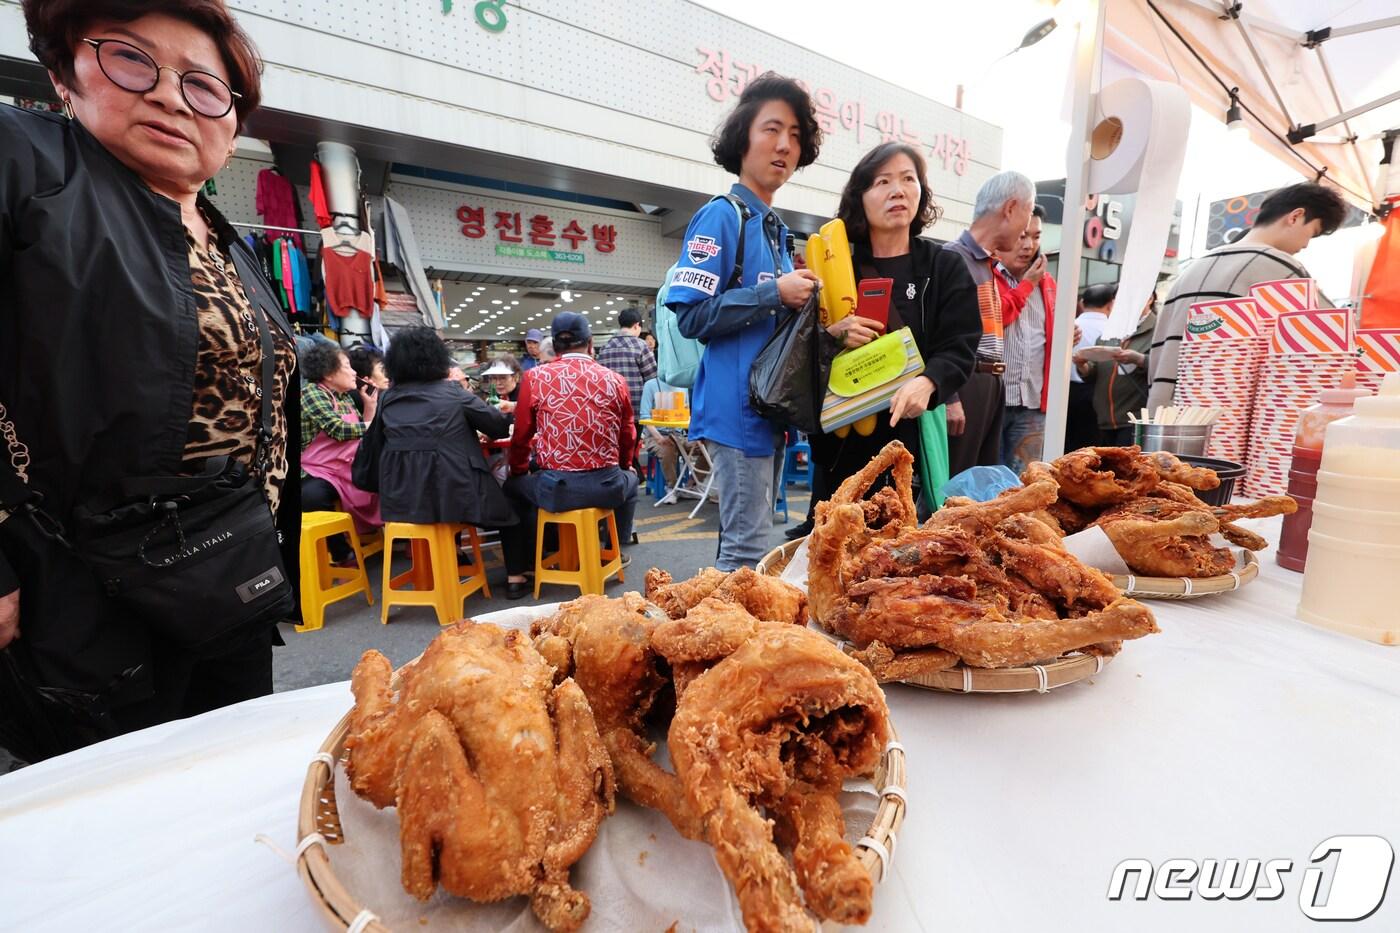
{"x": 194, "y": 558}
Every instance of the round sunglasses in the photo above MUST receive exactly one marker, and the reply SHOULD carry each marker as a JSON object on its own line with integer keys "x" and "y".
{"x": 133, "y": 70}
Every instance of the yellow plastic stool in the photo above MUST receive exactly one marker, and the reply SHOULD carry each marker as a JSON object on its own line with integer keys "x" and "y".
{"x": 323, "y": 583}
{"x": 437, "y": 578}
{"x": 580, "y": 561}
{"x": 370, "y": 544}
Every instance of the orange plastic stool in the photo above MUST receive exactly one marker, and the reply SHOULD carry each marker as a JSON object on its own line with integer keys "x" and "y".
{"x": 323, "y": 583}
{"x": 580, "y": 561}
{"x": 436, "y": 576}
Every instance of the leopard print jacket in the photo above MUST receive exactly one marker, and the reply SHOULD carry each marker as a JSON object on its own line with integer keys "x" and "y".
{"x": 228, "y": 370}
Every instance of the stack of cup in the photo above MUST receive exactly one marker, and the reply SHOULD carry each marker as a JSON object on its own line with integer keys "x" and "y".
{"x": 1351, "y": 584}
{"x": 1377, "y": 353}
{"x": 1218, "y": 367}
{"x": 1309, "y": 353}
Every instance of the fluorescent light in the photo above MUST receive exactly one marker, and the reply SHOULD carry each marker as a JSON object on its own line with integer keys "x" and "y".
{"x": 514, "y": 290}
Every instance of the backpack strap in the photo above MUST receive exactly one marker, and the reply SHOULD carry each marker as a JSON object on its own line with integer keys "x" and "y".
{"x": 744, "y": 214}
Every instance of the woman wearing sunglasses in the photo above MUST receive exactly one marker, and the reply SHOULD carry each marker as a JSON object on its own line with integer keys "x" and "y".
{"x": 134, "y": 328}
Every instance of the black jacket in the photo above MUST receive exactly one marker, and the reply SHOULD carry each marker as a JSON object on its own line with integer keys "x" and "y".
{"x": 98, "y": 342}
{"x": 948, "y": 330}
{"x": 422, "y": 456}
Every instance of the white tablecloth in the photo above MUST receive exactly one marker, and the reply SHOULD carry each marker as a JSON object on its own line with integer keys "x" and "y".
{"x": 1236, "y": 733}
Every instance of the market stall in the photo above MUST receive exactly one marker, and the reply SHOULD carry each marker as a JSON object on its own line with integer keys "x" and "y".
{"x": 1238, "y": 732}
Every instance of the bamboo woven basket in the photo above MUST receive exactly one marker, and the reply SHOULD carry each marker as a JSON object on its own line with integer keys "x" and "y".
{"x": 1188, "y": 587}
{"x": 318, "y": 826}
{"x": 1032, "y": 678}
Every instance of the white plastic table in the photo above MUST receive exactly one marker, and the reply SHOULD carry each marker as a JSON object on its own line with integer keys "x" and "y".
{"x": 1236, "y": 733}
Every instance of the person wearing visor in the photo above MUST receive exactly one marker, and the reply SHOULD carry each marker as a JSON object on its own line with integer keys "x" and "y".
{"x": 503, "y": 381}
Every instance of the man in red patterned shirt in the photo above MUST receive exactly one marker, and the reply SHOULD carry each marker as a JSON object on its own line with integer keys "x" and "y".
{"x": 578, "y": 416}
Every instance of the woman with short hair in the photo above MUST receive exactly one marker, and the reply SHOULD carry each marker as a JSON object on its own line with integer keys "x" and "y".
{"x": 114, "y": 265}
{"x": 422, "y": 456}
{"x": 332, "y": 424}
{"x": 368, "y": 364}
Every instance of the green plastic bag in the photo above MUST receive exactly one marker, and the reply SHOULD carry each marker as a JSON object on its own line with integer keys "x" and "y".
{"x": 933, "y": 459}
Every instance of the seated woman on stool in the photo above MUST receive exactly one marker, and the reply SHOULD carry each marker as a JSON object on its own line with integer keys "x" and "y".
{"x": 422, "y": 455}
{"x": 331, "y": 428}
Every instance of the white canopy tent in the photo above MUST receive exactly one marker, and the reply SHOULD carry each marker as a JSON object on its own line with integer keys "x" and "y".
{"x": 1317, "y": 83}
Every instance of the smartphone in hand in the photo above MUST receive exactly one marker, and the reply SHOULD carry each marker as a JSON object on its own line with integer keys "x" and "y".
{"x": 873, "y": 299}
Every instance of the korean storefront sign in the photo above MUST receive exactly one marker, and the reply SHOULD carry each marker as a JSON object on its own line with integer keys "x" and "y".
{"x": 536, "y": 236}
{"x": 725, "y": 77}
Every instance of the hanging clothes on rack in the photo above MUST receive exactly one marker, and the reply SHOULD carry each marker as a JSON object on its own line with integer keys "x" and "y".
{"x": 347, "y": 266}
{"x": 301, "y": 278}
{"x": 318, "y": 197}
{"x": 276, "y": 201}
{"x": 285, "y": 264}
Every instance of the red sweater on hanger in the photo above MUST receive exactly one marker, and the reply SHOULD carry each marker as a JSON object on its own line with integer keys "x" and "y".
{"x": 349, "y": 282}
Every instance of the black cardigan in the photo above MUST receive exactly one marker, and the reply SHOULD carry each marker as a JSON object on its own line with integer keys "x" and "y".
{"x": 98, "y": 343}
{"x": 422, "y": 456}
{"x": 950, "y": 325}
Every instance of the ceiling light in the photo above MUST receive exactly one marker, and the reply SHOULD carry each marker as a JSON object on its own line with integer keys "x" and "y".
{"x": 515, "y": 302}
{"x": 1234, "y": 119}
{"x": 566, "y": 295}
{"x": 513, "y": 290}
{"x": 495, "y": 301}
{"x": 609, "y": 301}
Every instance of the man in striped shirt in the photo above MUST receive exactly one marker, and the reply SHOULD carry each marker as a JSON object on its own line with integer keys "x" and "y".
{"x": 1287, "y": 220}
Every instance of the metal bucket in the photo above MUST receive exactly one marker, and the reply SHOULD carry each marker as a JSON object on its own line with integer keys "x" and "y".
{"x": 1175, "y": 438}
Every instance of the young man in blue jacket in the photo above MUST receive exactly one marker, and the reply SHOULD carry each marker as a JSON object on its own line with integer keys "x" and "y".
{"x": 770, "y": 134}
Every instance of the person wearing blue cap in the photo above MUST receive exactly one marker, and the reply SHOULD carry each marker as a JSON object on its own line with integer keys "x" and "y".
{"x": 575, "y": 415}
{"x": 532, "y": 349}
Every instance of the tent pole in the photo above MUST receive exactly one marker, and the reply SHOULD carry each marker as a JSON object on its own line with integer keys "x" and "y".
{"x": 1322, "y": 35}
{"x": 1346, "y": 125}
{"x": 1299, "y": 133}
{"x": 1087, "y": 62}
{"x": 1263, "y": 69}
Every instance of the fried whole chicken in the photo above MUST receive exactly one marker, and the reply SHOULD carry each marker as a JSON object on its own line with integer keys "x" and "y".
{"x": 986, "y": 584}
{"x": 1147, "y": 505}
{"x": 766, "y": 598}
{"x": 778, "y": 725}
{"x": 606, "y": 645}
{"x": 499, "y": 775}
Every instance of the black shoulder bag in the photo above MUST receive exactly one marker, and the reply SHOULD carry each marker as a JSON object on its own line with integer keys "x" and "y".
{"x": 192, "y": 557}
{"x": 788, "y": 379}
